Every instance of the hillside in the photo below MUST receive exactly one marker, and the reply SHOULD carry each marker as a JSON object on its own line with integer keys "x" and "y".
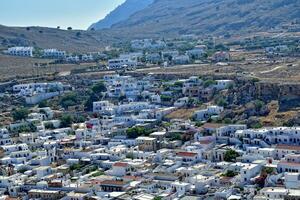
{"x": 210, "y": 16}
{"x": 162, "y": 18}
{"x": 71, "y": 41}
{"x": 121, "y": 13}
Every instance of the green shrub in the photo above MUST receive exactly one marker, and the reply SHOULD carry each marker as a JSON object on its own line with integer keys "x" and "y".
{"x": 20, "y": 114}
{"x": 230, "y": 155}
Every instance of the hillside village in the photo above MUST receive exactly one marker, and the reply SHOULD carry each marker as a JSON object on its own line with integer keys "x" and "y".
{"x": 129, "y": 144}
{"x": 125, "y": 135}
{"x": 163, "y": 118}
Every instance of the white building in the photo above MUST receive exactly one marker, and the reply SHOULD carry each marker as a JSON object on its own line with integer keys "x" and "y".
{"x": 223, "y": 84}
{"x": 271, "y": 193}
{"x": 103, "y": 107}
{"x": 87, "y": 58}
{"x": 267, "y": 136}
{"x": 4, "y": 137}
{"x": 38, "y": 86}
{"x": 120, "y": 169}
{"x": 249, "y": 171}
{"x": 221, "y": 56}
{"x": 166, "y": 55}
{"x": 121, "y": 63}
{"x": 291, "y": 163}
{"x": 148, "y": 44}
{"x": 181, "y": 102}
{"x": 180, "y": 188}
{"x": 195, "y": 53}
{"x": 292, "y": 180}
{"x": 21, "y": 51}
{"x": 181, "y": 60}
{"x": 133, "y": 106}
{"x": 135, "y": 56}
{"x": 227, "y": 131}
{"x": 72, "y": 59}
{"x": 54, "y": 53}
{"x": 204, "y": 114}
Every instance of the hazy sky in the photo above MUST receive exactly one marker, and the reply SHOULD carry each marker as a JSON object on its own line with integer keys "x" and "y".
{"x": 78, "y": 14}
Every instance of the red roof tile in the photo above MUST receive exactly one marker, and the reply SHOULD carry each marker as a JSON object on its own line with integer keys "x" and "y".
{"x": 113, "y": 182}
{"x": 288, "y": 147}
{"x": 120, "y": 164}
{"x": 290, "y": 163}
{"x": 205, "y": 142}
{"x": 186, "y": 154}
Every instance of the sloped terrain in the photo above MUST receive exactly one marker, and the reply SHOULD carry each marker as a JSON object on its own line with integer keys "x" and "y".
{"x": 121, "y": 13}
{"x": 211, "y": 16}
{"x": 72, "y": 40}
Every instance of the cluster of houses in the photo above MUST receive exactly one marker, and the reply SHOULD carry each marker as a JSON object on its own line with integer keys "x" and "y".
{"x": 50, "y": 53}
{"x": 37, "y": 92}
{"x": 142, "y": 52}
{"x": 130, "y": 148}
{"x": 279, "y": 50}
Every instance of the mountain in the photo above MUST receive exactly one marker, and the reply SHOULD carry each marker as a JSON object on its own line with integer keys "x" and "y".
{"x": 163, "y": 18}
{"x": 121, "y": 13}
{"x": 171, "y": 17}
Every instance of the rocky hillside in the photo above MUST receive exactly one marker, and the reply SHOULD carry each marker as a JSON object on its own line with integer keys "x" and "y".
{"x": 71, "y": 41}
{"x": 121, "y": 13}
{"x": 162, "y": 18}
{"x": 210, "y": 16}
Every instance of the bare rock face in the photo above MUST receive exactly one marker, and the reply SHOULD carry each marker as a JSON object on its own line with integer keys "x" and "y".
{"x": 287, "y": 94}
{"x": 121, "y": 13}
{"x": 173, "y": 17}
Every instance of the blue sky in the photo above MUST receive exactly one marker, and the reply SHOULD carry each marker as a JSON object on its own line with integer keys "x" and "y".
{"x": 79, "y": 14}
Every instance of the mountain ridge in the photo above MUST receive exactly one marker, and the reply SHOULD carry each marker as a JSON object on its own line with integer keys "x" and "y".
{"x": 210, "y": 16}
{"x": 121, "y": 13}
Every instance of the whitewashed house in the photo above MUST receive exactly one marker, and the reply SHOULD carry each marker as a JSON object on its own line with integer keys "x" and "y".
{"x": 54, "y": 53}
{"x": 21, "y": 51}
{"x": 121, "y": 63}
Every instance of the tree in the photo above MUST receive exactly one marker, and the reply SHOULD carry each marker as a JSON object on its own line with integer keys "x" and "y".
{"x": 43, "y": 104}
{"x": 99, "y": 87}
{"x": 230, "y": 173}
{"x": 165, "y": 98}
{"x": 122, "y": 98}
{"x": 230, "y": 155}
{"x": 258, "y": 105}
{"x": 222, "y": 102}
{"x": 227, "y": 121}
{"x": 95, "y": 95}
{"x": 49, "y": 125}
{"x": 176, "y": 136}
{"x": 135, "y": 132}
{"x": 78, "y": 34}
{"x": 69, "y": 28}
{"x": 89, "y": 102}
{"x": 178, "y": 84}
{"x": 66, "y": 121}
{"x": 69, "y": 99}
{"x": 20, "y": 114}
{"x": 209, "y": 82}
{"x": 256, "y": 125}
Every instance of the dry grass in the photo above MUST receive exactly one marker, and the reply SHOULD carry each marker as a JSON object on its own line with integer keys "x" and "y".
{"x": 276, "y": 118}
{"x": 14, "y": 67}
{"x": 183, "y": 113}
{"x": 282, "y": 71}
